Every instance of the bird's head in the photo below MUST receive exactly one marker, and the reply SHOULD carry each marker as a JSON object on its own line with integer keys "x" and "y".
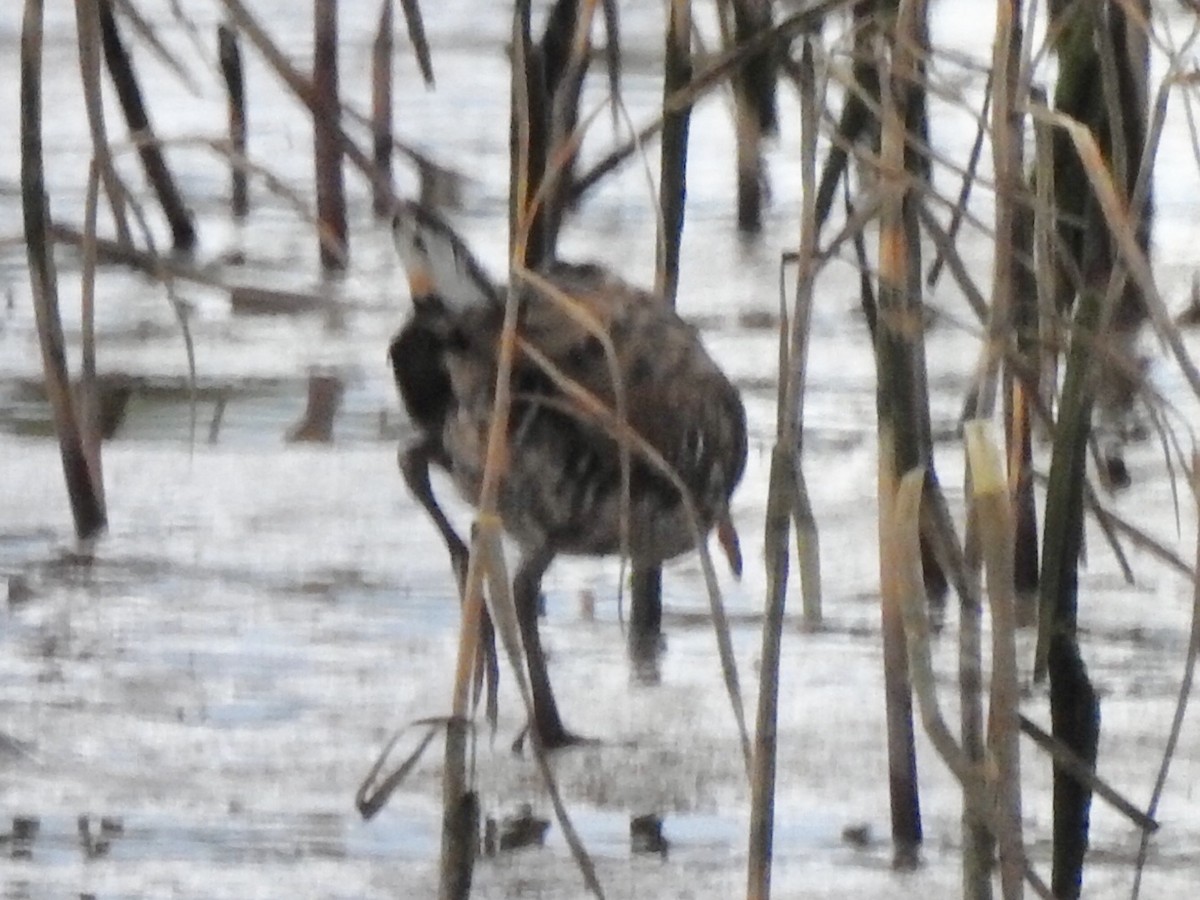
{"x": 441, "y": 270}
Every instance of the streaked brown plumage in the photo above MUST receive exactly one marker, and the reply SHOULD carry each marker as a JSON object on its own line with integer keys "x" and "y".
{"x": 562, "y": 489}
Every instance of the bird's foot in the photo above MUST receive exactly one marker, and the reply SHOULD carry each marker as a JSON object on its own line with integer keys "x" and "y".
{"x": 557, "y": 738}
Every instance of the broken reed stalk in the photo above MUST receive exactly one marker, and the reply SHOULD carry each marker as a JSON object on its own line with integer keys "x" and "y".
{"x": 381, "y": 111}
{"x": 786, "y": 493}
{"x": 979, "y": 840}
{"x": 87, "y": 504}
{"x": 124, "y": 79}
{"x": 229, "y": 54}
{"x": 87, "y": 27}
{"x": 327, "y": 154}
{"x": 903, "y": 534}
{"x": 994, "y": 517}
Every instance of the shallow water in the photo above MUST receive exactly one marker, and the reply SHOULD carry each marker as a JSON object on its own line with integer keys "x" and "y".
{"x": 261, "y": 616}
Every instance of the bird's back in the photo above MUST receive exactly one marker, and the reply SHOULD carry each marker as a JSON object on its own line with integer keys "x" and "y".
{"x": 563, "y": 482}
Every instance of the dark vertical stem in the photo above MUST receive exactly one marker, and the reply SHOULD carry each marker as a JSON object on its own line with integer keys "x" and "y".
{"x": 230, "y": 55}
{"x": 857, "y": 122}
{"x": 1101, "y": 83}
{"x": 120, "y": 69}
{"x": 331, "y": 194}
{"x": 1021, "y": 395}
{"x": 901, "y": 422}
{"x": 565, "y": 51}
{"x": 672, "y": 190}
{"x": 86, "y": 498}
{"x": 754, "y": 113}
{"x": 88, "y": 398}
{"x": 1074, "y": 719}
{"x": 460, "y": 828}
{"x": 381, "y": 111}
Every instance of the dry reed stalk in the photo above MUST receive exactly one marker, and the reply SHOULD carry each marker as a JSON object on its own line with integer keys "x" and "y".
{"x": 903, "y": 533}
{"x": 88, "y": 394}
{"x": 859, "y": 122}
{"x": 1007, "y": 160}
{"x": 994, "y": 515}
{"x": 146, "y": 32}
{"x": 754, "y": 107}
{"x": 902, "y": 763}
{"x": 486, "y": 557}
{"x": 1074, "y": 706}
{"x": 968, "y": 182}
{"x": 1181, "y": 702}
{"x": 786, "y": 493}
{"x": 327, "y": 153}
{"x": 381, "y": 110}
{"x": 300, "y": 86}
{"x": 87, "y": 505}
{"x": 807, "y": 538}
{"x": 229, "y": 53}
{"x": 1070, "y": 762}
{"x": 1050, "y": 330}
{"x": 456, "y": 860}
{"x": 704, "y": 80}
{"x": 416, "y": 36}
{"x": 897, "y": 443}
{"x": 87, "y": 27}
{"x": 129, "y": 93}
{"x": 564, "y": 84}
{"x": 676, "y": 123}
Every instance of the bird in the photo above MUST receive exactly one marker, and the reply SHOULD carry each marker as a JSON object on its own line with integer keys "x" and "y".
{"x": 565, "y": 488}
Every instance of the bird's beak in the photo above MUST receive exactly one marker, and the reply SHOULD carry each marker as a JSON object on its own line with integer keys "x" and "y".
{"x": 420, "y": 282}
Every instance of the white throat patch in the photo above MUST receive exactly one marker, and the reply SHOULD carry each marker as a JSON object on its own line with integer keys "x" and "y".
{"x": 438, "y": 262}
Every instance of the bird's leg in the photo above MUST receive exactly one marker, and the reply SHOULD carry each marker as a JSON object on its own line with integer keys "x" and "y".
{"x": 645, "y": 622}
{"x": 414, "y": 465}
{"x": 526, "y": 586}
